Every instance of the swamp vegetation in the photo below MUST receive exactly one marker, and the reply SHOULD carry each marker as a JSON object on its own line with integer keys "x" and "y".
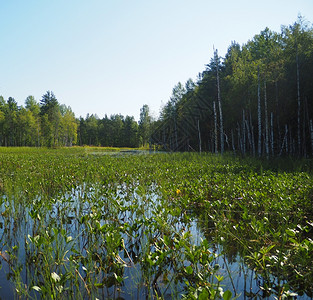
{"x": 78, "y": 224}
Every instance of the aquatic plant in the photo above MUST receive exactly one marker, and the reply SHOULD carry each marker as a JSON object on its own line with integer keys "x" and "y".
{"x": 78, "y": 224}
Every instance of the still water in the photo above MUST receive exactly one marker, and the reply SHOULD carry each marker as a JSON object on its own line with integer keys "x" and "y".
{"x": 109, "y": 240}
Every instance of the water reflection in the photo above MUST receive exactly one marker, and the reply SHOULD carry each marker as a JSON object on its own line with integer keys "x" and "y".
{"x": 111, "y": 239}
{"x": 243, "y": 279}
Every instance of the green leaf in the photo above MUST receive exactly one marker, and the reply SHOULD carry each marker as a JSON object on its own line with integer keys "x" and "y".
{"x": 118, "y": 278}
{"x": 293, "y": 241}
{"x": 204, "y": 295}
{"x": 291, "y": 232}
{"x": 189, "y": 270}
{"x": 99, "y": 285}
{"x": 227, "y": 295}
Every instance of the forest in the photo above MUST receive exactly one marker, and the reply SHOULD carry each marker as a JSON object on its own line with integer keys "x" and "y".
{"x": 51, "y": 124}
{"x": 256, "y": 100}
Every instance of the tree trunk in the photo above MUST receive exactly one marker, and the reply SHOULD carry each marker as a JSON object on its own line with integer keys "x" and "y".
{"x": 259, "y": 117}
{"x": 272, "y": 134}
{"x": 252, "y": 134}
{"x": 233, "y": 143}
{"x": 299, "y": 104}
{"x": 306, "y": 116}
{"x": 285, "y": 142}
{"x": 292, "y": 147}
{"x": 243, "y": 133}
{"x": 303, "y": 146}
{"x": 249, "y": 134}
{"x": 175, "y": 128}
{"x": 215, "y": 127}
{"x": 239, "y": 139}
{"x": 266, "y": 122}
{"x": 219, "y": 104}
{"x": 311, "y": 132}
{"x": 199, "y": 136}
{"x": 279, "y": 141}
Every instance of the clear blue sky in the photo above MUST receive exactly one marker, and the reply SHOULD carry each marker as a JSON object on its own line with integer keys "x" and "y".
{"x": 114, "y": 56}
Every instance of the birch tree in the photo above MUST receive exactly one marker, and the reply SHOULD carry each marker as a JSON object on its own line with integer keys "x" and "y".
{"x": 298, "y": 101}
{"x": 215, "y": 128}
{"x": 259, "y": 117}
{"x": 266, "y": 122}
{"x": 219, "y": 101}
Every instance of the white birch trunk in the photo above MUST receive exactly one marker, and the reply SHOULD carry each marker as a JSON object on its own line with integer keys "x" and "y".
{"x": 306, "y": 116}
{"x": 199, "y": 136}
{"x": 243, "y": 132}
{"x": 303, "y": 135}
{"x": 252, "y": 135}
{"x": 278, "y": 141}
{"x": 219, "y": 103}
{"x": 266, "y": 122}
{"x": 259, "y": 117}
{"x": 272, "y": 133}
{"x": 215, "y": 127}
{"x": 299, "y": 104}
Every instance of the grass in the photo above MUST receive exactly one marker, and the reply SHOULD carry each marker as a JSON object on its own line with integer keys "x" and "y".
{"x": 75, "y": 224}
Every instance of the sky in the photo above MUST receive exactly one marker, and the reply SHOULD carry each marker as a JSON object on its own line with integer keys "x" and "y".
{"x": 109, "y": 57}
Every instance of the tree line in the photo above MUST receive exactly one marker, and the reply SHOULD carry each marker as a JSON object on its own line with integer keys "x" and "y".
{"x": 37, "y": 124}
{"x": 48, "y": 123}
{"x": 258, "y": 99}
{"x": 116, "y": 130}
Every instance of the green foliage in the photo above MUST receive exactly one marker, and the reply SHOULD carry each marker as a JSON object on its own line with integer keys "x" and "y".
{"x": 279, "y": 57}
{"x": 49, "y": 124}
{"x": 81, "y": 224}
{"x": 144, "y": 125}
{"x": 115, "y": 131}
